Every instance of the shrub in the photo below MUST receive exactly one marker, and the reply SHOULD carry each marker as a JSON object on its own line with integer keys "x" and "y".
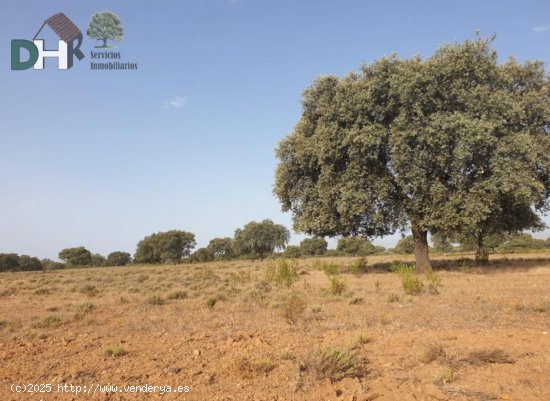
{"x": 83, "y": 309}
{"x": 330, "y": 269}
{"x": 359, "y": 266}
{"x": 391, "y": 297}
{"x": 433, "y": 278}
{"x": 334, "y": 364}
{"x": 211, "y": 302}
{"x": 156, "y": 300}
{"x": 293, "y": 307}
{"x": 282, "y": 272}
{"x": 412, "y": 285}
{"x": 337, "y": 285}
{"x": 291, "y": 251}
{"x": 177, "y": 295}
{"x": 43, "y": 291}
{"x": 49, "y": 322}
{"x": 114, "y": 350}
{"x": 89, "y": 290}
{"x": 445, "y": 375}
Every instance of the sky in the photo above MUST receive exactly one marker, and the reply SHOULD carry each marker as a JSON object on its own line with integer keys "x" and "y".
{"x": 103, "y": 158}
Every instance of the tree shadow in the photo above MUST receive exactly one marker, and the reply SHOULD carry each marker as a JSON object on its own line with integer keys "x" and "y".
{"x": 468, "y": 265}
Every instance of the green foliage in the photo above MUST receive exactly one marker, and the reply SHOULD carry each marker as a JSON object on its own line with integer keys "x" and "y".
{"x": 453, "y": 142}
{"x": 313, "y": 246}
{"x": 334, "y": 364}
{"x": 118, "y": 258}
{"x": 48, "y": 264}
{"x": 14, "y": 262}
{"x": 433, "y": 278}
{"x": 282, "y": 272}
{"x": 114, "y": 350}
{"x": 355, "y": 246}
{"x": 521, "y": 243}
{"x": 330, "y": 269}
{"x": 291, "y": 251}
{"x": 98, "y": 260}
{"x": 76, "y": 257}
{"x": 405, "y": 245}
{"x": 105, "y": 26}
{"x": 165, "y": 247}
{"x": 411, "y": 284}
{"x": 211, "y": 302}
{"x": 201, "y": 255}
{"x": 359, "y": 266}
{"x": 337, "y": 285}
{"x": 221, "y": 248}
{"x": 260, "y": 238}
{"x": 442, "y": 243}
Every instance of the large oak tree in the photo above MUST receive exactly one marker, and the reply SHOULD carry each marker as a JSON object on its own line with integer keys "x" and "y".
{"x": 442, "y": 144}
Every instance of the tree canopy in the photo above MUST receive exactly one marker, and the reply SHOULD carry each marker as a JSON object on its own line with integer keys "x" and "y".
{"x": 355, "y": 246}
{"x": 221, "y": 248}
{"x": 313, "y": 246}
{"x": 165, "y": 247}
{"x": 118, "y": 258}
{"x": 261, "y": 238}
{"x": 14, "y": 262}
{"x": 77, "y": 256}
{"x": 449, "y": 143}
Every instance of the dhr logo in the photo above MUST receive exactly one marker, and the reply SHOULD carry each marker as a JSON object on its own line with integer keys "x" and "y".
{"x": 70, "y": 40}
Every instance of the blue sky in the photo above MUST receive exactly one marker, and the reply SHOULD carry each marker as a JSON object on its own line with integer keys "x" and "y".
{"x": 103, "y": 158}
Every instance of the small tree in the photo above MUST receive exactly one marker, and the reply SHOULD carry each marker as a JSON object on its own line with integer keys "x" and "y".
{"x": 118, "y": 258}
{"x": 98, "y": 260}
{"x": 291, "y": 251}
{"x": 165, "y": 247}
{"x": 9, "y": 262}
{"x": 355, "y": 246}
{"x": 201, "y": 255}
{"x": 442, "y": 243}
{"x": 78, "y": 256}
{"x": 313, "y": 246}
{"x": 221, "y": 248}
{"x": 261, "y": 238}
{"x": 405, "y": 245}
{"x": 29, "y": 263}
{"x": 48, "y": 264}
{"x": 105, "y": 26}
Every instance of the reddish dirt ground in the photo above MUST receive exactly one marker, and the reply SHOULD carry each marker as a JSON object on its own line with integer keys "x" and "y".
{"x": 479, "y": 334}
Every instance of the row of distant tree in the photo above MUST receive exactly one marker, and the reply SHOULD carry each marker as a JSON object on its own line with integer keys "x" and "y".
{"x": 257, "y": 240}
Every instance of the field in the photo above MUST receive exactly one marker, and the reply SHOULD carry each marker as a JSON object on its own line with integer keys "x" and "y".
{"x": 252, "y": 330}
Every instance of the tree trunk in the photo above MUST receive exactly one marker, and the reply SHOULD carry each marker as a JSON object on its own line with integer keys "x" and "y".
{"x": 482, "y": 256}
{"x": 421, "y": 251}
{"x": 104, "y": 42}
